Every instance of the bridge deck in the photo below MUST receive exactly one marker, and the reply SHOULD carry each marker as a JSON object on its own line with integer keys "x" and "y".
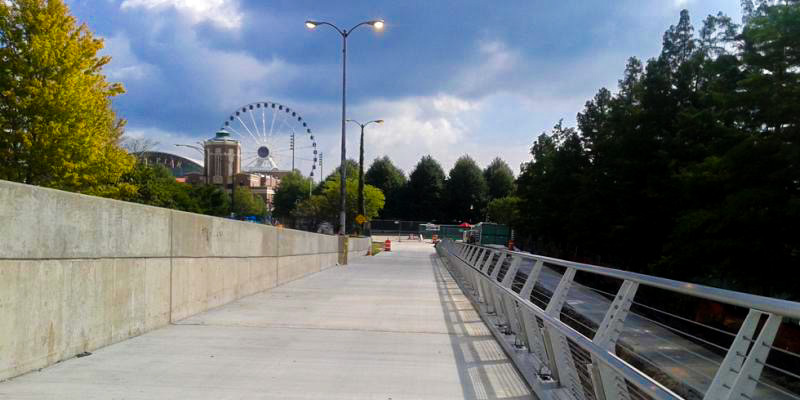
{"x": 394, "y": 326}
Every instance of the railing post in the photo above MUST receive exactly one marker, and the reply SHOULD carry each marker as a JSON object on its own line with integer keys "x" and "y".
{"x": 530, "y": 328}
{"x": 565, "y": 368}
{"x": 509, "y": 303}
{"x": 726, "y": 374}
{"x": 560, "y": 294}
{"x": 530, "y": 283}
{"x": 479, "y": 276}
{"x": 609, "y": 330}
{"x": 487, "y": 287}
{"x": 749, "y": 374}
{"x": 607, "y": 382}
{"x": 477, "y": 255}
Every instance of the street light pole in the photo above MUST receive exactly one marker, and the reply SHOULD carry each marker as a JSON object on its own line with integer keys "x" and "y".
{"x": 362, "y": 209}
{"x": 378, "y": 25}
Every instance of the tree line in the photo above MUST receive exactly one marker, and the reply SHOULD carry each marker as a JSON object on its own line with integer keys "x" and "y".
{"x": 427, "y": 194}
{"x": 691, "y": 169}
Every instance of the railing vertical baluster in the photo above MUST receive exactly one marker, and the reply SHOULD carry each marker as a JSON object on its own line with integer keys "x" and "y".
{"x": 564, "y": 364}
{"x": 608, "y": 383}
{"x": 734, "y": 358}
{"x": 531, "y": 331}
{"x": 748, "y": 376}
{"x": 509, "y": 303}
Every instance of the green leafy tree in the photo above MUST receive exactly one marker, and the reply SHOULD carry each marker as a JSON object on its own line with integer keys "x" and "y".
{"x": 426, "y": 191}
{"x": 293, "y": 189}
{"x": 212, "y": 200}
{"x": 55, "y": 104}
{"x": 499, "y": 178}
{"x": 156, "y": 186}
{"x": 504, "y": 210}
{"x": 351, "y": 171}
{"x": 373, "y": 200}
{"x": 247, "y": 203}
{"x": 391, "y": 181}
{"x": 466, "y": 191}
{"x": 313, "y": 211}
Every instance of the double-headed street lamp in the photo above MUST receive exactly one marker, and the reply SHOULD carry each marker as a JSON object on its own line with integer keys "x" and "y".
{"x": 377, "y": 25}
{"x": 362, "y": 209}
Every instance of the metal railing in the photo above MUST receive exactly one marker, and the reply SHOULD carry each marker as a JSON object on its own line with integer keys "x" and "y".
{"x": 572, "y": 337}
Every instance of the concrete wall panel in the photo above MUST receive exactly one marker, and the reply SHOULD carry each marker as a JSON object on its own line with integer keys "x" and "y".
{"x": 47, "y": 223}
{"x": 295, "y": 267}
{"x": 195, "y": 235}
{"x": 292, "y": 242}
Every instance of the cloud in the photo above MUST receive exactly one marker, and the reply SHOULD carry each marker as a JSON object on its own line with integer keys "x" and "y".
{"x": 125, "y": 65}
{"x": 222, "y": 13}
{"x": 491, "y": 66}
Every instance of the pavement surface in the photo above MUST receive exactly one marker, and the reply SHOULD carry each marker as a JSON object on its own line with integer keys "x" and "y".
{"x": 393, "y": 326}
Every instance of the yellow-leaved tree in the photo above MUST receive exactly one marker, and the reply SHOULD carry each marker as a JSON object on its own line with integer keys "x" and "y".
{"x": 57, "y": 128}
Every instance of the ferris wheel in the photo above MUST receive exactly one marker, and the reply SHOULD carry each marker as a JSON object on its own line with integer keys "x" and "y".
{"x": 273, "y": 137}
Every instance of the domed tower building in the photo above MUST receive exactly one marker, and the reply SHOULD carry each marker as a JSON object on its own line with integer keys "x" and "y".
{"x": 223, "y": 167}
{"x": 223, "y": 159}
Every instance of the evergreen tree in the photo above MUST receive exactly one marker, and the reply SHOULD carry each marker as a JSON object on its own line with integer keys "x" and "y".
{"x": 466, "y": 192}
{"x": 499, "y": 178}
{"x": 391, "y": 181}
{"x": 690, "y": 170}
{"x": 426, "y": 191}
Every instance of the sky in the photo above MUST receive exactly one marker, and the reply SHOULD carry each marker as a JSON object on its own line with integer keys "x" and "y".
{"x": 448, "y": 77}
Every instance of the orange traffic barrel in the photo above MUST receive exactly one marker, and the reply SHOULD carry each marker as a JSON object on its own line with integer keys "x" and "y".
{"x": 387, "y": 245}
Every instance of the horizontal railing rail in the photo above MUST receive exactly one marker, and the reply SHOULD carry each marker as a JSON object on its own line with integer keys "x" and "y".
{"x": 572, "y": 340}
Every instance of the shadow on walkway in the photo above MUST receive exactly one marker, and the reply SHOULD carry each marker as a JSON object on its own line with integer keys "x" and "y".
{"x": 483, "y": 368}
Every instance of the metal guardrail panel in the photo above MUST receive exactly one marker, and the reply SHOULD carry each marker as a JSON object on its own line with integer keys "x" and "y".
{"x": 607, "y": 351}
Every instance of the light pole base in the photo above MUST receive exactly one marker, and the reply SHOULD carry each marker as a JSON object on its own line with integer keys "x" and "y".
{"x": 343, "y": 247}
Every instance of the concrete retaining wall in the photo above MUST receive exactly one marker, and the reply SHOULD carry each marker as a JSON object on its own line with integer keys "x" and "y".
{"x": 358, "y": 246}
{"x": 80, "y": 272}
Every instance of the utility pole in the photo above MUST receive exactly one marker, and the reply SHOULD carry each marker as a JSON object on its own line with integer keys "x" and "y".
{"x": 291, "y": 146}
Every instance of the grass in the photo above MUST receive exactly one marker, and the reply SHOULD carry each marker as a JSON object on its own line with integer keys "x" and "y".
{"x": 377, "y": 247}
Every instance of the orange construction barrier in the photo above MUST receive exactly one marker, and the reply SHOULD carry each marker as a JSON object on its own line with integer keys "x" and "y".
{"x": 387, "y": 245}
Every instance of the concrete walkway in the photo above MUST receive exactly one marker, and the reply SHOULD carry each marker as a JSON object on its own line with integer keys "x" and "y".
{"x": 394, "y": 326}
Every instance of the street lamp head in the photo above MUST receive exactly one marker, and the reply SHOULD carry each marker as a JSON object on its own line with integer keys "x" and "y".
{"x": 377, "y": 24}
{"x": 379, "y": 121}
{"x": 311, "y": 24}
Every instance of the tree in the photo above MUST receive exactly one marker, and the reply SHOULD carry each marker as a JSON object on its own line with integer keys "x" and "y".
{"x": 467, "y": 191}
{"x": 247, "y": 203}
{"x": 293, "y": 189}
{"x": 690, "y": 170}
{"x": 155, "y": 186}
{"x": 373, "y": 200}
{"x": 426, "y": 191}
{"x": 499, "y": 178}
{"x": 504, "y": 210}
{"x": 55, "y": 105}
{"x": 679, "y": 42}
{"x": 313, "y": 211}
{"x": 351, "y": 171}
{"x": 138, "y": 146}
{"x": 212, "y": 200}
{"x": 391, "y": 181}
